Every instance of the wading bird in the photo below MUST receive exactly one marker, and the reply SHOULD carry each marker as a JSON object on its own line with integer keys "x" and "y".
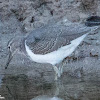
{"x": 50, "y": 44}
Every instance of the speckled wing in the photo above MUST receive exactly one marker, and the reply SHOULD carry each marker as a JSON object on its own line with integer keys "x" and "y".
{"x": 51, "y": 38}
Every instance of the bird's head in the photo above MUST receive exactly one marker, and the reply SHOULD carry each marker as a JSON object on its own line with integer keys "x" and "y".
{"x": 14, "y": 45}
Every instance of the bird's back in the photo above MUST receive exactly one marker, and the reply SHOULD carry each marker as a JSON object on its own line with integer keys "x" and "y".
{"x": 48, "y": 39}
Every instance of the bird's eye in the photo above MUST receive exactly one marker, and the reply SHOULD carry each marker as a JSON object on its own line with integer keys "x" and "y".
{"x": 8, "y": 47}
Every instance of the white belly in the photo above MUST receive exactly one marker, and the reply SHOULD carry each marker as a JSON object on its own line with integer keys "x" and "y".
{"x": 55, "y": 56}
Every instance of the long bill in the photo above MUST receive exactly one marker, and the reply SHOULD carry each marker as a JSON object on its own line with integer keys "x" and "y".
{"x": 9, "y": 59}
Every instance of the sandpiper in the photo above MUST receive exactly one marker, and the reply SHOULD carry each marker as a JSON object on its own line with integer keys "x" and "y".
{"x": 50, "y": 44}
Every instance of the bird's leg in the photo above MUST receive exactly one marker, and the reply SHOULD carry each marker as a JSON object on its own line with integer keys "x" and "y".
{"x": 61, "y": 67}
{"x": 61, "y": 71}
{"x": 57, "y": 73}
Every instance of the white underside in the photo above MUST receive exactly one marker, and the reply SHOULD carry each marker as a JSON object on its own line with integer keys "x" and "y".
{"x": 57, "y": 56}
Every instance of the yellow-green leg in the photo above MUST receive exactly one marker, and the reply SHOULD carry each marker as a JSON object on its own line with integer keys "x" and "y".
{"x": 57, "y": 72}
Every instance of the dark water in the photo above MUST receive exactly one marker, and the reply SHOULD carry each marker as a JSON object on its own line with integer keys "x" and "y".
{"x": 21, "y": 87}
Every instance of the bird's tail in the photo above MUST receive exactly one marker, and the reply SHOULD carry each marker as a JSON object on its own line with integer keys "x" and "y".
{"x": 78, "y": 40}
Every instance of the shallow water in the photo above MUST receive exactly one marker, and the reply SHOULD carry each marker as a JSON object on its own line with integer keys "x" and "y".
{"x": 21, "y": 87}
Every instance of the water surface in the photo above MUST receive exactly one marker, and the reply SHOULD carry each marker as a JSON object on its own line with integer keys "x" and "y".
{"x": 21, "y": 87}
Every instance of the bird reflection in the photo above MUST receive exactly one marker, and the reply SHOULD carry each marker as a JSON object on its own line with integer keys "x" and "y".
{"x": 47, "y": 97}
